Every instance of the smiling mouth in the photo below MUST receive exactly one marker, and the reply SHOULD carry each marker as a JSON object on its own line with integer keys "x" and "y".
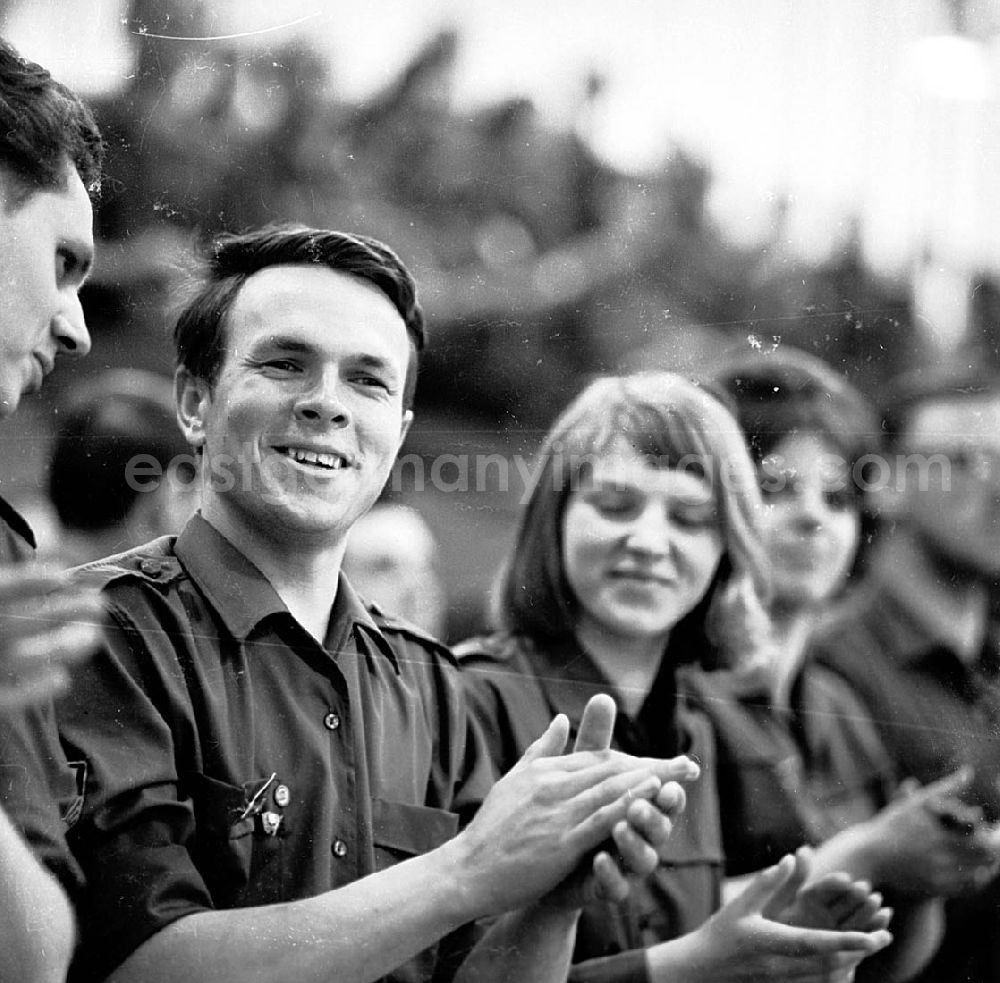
{"x": 317, "y": 459}
{"x": 640, "y": 577}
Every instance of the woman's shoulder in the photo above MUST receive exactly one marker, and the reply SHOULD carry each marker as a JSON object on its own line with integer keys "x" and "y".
{"x": 500, "y": 649}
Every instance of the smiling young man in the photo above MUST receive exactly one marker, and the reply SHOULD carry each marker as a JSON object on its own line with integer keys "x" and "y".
{"x": 50, "y": 156}
{"x": 275, "y": 770}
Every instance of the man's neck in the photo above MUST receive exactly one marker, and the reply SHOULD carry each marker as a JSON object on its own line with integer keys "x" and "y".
{"x": 303, "y": 573}
{"x": 951, "y": 607}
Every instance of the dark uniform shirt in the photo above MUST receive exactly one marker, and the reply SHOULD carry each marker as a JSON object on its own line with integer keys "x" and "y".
{"x": 790, "y": 776}
{"x": 515, "y": 689}
{"x": 34, "y": 775}
{"x": 934, "y": 711}
{"x": 233, "y": 761}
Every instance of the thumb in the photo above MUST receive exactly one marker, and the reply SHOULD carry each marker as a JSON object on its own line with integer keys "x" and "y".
{"x": 784, "y": 895}
{"x": 551, "y": 743}
{"x": 597, "y": 725}
{"x": 763, "y": 889}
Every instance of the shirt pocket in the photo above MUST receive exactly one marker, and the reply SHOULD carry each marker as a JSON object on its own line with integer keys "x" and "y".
{"x": 240, "y": 845}
{"x": 401, "y": 830}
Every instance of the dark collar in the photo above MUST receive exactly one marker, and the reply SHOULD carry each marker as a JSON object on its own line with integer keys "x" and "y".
{"x": 896, "y": 619}
{"x": 244, "y": 597}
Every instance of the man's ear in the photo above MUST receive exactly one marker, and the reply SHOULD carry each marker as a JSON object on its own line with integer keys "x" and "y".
{"x": 192, "y": 398}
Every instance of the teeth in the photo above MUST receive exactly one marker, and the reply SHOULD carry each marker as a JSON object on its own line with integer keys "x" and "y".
{"x": 331, "y": 461}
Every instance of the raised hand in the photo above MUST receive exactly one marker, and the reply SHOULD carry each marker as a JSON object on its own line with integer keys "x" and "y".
{"x": 928, "y": 842}
{"x": 639, "y": 839}
{"x": 833, "y": 901}
{"x": 47, "y": 625}
{"x": 552, "y": 810}
{"x": 742, "y": 942}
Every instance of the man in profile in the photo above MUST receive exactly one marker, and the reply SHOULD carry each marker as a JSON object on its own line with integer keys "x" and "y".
{"x": 50, "y": 157}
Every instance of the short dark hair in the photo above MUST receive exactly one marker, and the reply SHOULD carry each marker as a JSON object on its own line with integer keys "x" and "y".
{"x": 44, "y": 126}
{"x": 670, "y": 420}
{"x": 788, "y": 391}
{"x": 230, "y": 260}
{"x": 104, "y": 423}
{"x": 906, "y": 393}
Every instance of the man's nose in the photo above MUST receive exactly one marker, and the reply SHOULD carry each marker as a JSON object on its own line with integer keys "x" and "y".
{"x": 323, "y": 401}
{"x": 69, "y": 327}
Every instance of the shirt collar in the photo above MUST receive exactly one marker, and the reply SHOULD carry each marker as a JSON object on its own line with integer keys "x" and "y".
{"x": 244, "y": 597}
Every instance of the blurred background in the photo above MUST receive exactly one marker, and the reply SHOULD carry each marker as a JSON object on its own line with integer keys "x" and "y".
{"x": 579, "y": 187}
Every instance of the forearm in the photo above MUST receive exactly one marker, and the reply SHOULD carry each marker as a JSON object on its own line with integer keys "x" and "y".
{"x": 534, "y": 945}
{"x": 36, "y": 920}
{"x": 357, "y": 933}
{"x": 852, "y": 851}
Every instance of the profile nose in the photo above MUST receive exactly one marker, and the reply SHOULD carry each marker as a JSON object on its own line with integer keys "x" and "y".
{"x": 70, "y": 331}
{"x": 322, "y": 403}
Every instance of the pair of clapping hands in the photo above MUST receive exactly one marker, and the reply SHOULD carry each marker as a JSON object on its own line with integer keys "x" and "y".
{"x": 47, "y": 625}
{"x": 617, "y": 812}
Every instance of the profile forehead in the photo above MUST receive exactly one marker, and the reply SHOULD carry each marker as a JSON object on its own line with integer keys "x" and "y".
{"x": 962, "y": 418}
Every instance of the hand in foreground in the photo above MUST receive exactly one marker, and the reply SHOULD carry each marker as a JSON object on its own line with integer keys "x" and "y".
{"x": 639, "y": 839}
{"x": 928, "y": 842}
{"x": 744, "y": 942}
{"x": 552, "y": 810}
{"x": 47, "y": 624}
{"x": 832, "y": 902}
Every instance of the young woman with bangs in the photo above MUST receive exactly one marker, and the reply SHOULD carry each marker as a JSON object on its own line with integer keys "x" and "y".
{"x": 637, "y": 554}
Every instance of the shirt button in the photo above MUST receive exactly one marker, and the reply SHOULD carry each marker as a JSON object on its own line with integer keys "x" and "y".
{"x": 331, "y": 721}
{"x": 282, "y": 796}
{"x": 151, "y": 568}
{"x": 339, "y": 848}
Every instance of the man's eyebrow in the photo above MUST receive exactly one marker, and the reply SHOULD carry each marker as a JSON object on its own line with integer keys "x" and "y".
{"x": 284, "y": 343}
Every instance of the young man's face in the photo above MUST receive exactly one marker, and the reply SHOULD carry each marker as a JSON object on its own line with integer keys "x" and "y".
{"x": 305, "y": 419}
{"x": 46, "y": 250}
{"x": 954, "y": 505}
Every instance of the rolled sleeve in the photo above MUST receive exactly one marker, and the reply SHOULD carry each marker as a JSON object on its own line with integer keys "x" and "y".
{"x": 132, "y": 839}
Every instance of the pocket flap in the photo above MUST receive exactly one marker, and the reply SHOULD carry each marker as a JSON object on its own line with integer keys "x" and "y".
{"x": 411, "y": 828}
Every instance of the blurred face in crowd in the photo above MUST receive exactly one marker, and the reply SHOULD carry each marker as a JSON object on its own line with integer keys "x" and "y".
{"x": 640, "y": 544}
{"x": 303, "y": 423}
{"x": 951, "y": 482}
{"x": 46, "y": 250}
{"x": 811, "y": 521}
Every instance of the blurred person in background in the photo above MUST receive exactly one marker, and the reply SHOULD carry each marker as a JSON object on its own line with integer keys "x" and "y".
{"x": 799, "y": 759}
{"x": 275, "y": 773}
{"x": 914, "y": 640}
{"x": 639, "y": 552}
{"x": 50, "y": 161}
{"x": 391, "y": 560}
{"x": 121, "y": 472}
